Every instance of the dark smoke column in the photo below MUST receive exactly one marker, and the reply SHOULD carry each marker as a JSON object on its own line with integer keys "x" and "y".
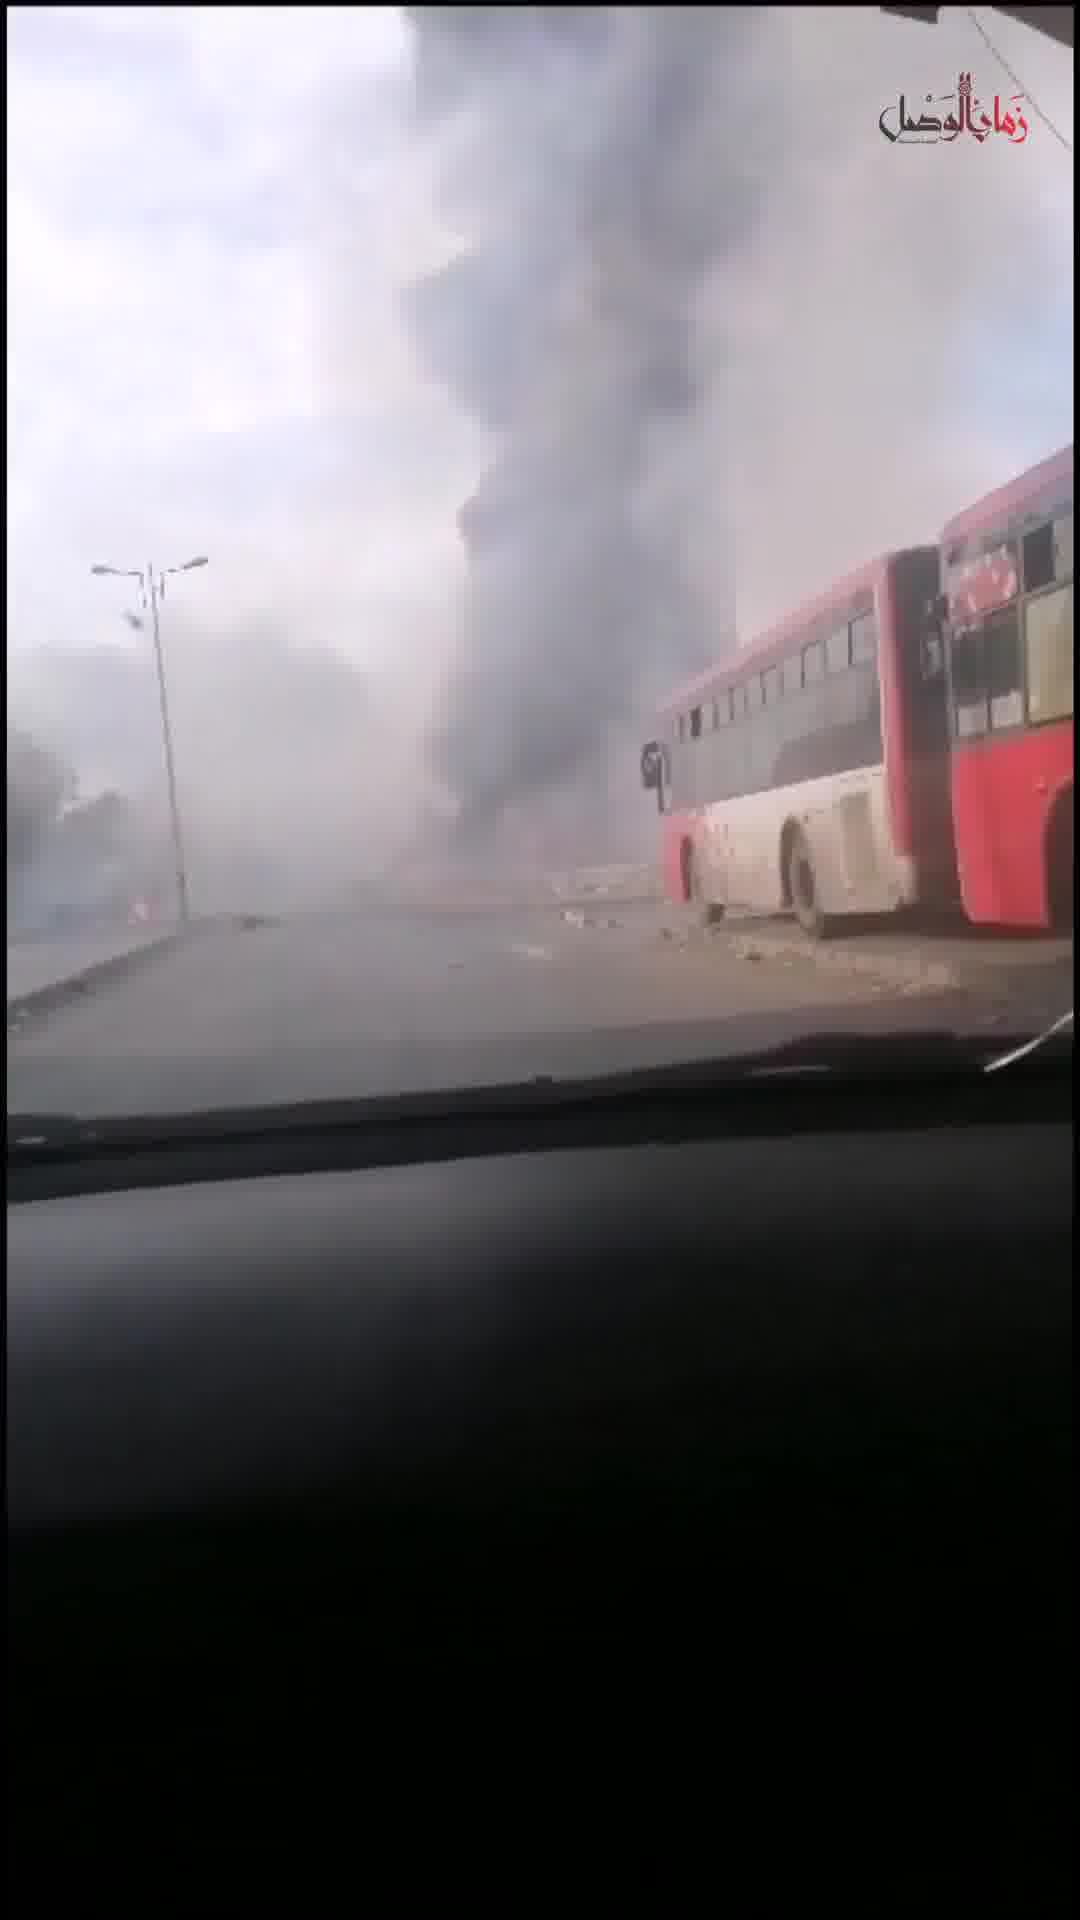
{"x": 608, "y": 166}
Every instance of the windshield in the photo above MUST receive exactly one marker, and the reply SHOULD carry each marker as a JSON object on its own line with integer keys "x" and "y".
{"x": 539, "y": 542}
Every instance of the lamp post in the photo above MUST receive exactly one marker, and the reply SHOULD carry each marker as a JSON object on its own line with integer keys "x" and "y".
{"x": 153, "y": 586}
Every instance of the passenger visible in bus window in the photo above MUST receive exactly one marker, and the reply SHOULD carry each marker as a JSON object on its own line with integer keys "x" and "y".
{"x": 1049, "y": 645}
{"x": 968, "y": 688}
{"x": 1004, "y": 675}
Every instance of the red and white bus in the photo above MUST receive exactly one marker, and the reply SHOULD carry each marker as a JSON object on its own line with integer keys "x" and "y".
{"x": 812, "y": 772}
{"x": 1007, "y": 597}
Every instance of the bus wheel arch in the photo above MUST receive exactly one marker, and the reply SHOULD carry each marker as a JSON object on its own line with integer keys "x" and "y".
{"x": 693, "y": 890}
{"x": 800, "y": 892}
{"x": 1058, "y": 863}
{"x": 788, "y": 838}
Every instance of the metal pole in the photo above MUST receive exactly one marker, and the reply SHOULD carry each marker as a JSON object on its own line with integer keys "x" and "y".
{"x": 178, "y": 843}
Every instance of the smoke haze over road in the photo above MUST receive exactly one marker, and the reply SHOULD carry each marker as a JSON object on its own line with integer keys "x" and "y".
{"x": 642, "y": 291}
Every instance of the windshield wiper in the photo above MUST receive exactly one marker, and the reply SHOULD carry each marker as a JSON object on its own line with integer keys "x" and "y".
{"x": 1041, "y": 1040}
{"x": 26, "y": 1131}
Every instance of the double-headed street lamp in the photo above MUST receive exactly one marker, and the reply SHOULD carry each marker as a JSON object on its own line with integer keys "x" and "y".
{"x": 153, "y": 586}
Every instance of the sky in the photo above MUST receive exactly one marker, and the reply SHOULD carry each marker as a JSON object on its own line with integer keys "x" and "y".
{"x": 214, "y": 216}
{"x": 180, "y": 379}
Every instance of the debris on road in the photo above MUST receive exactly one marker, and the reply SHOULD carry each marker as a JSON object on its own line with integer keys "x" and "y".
{"x": 575, "y": 917}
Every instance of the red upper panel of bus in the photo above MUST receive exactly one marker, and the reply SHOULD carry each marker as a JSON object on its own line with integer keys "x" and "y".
{"x": 1007, "y": 503}
{"x": 776, "y": 640}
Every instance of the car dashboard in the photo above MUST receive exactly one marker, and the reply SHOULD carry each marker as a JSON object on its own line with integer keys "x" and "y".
{"x": 754, "y": 1414}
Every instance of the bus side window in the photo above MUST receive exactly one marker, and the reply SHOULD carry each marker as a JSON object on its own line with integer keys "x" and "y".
{"x": 813, "y": 663}
{"x": 837, "y": 654}
{"x": 864, "y": 640}
{"x": 1063, "y": 546}
{"x": 968, "y": 686}
{"x": 695, "y": 723}
{"x": 1004, "y": 672}
{"x": 1038, "y": 548}
{"x": 1049, "y": 646}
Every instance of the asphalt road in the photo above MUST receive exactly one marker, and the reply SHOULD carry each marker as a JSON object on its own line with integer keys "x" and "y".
{"x": 328, "y": 1007}
{"x": 34, "y": 964}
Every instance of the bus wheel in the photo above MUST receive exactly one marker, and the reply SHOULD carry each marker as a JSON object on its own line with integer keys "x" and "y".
{"x": 802, "y": 888}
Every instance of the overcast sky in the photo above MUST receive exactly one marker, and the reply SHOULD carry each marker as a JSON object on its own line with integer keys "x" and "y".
{"x": 209, "y": 214}
{"x": 212, "y": 213}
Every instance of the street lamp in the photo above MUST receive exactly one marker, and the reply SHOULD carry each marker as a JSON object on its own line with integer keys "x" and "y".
{"x": 154, "y": 585}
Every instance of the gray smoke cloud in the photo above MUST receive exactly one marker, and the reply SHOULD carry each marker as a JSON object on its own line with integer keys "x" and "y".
{"x": 288, "y": 758}
{"x": 597, "y": 186}
{"x": 484, "y": 467}
{"x": 726, "y": 342}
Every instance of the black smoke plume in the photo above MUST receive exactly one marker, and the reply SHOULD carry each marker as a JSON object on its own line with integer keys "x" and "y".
{"x": 599, "y": 168}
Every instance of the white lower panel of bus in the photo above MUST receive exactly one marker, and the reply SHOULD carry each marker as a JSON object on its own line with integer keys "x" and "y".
{"x": 844, "y": 818}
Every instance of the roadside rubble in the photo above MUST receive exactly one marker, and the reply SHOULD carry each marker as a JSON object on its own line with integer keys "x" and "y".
{"x": 577, "y": 917}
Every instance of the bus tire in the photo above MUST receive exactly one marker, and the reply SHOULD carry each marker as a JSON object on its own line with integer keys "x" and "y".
{"x": 801, "y": 887}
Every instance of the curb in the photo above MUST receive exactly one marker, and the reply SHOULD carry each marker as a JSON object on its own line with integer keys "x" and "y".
{"x": 909, "y": 971}
{"x": 912, "y": 971}
{"x": 59, "y": 992}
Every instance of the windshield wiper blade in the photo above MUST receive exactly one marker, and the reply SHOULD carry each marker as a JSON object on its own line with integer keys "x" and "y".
{"x": 26, "y": 1130}
{"x": 1041, "y": 1040}
{"x": 842, "y": 1052}
{"x": 837, "y": 1056}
